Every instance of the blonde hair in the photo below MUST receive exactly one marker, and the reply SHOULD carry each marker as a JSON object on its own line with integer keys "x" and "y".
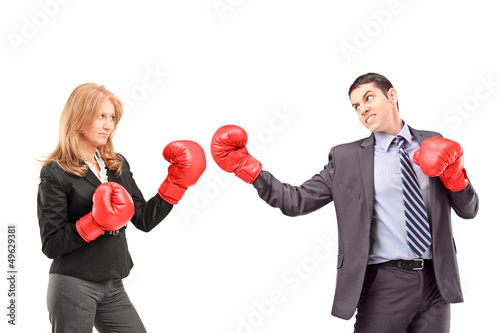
{"x": 84, "y": 106}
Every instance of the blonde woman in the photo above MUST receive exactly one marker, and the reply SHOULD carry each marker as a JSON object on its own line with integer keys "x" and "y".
{"x": 86, "y": 198}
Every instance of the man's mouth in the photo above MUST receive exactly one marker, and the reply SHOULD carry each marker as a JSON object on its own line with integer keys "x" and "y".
{"x": 370, "y": 118}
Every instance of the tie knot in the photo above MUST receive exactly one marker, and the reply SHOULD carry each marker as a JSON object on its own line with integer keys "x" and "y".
{"x": 400, "y": 141}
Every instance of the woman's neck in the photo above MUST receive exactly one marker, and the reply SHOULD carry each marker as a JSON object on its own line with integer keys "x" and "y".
{"x": 89, "y": 154}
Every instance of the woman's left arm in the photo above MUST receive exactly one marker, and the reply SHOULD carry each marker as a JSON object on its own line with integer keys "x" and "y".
{"x": 187, "y": 163}
{"x": 148, "y": 214}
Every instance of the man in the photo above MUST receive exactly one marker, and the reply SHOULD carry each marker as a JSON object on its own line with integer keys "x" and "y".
{"x": 393, "y": 193}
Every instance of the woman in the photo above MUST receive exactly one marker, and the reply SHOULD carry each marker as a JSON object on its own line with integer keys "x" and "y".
{"x": 86, "y": 197}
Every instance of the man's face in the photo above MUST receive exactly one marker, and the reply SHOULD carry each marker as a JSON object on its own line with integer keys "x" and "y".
{"x": 377, "y": 112}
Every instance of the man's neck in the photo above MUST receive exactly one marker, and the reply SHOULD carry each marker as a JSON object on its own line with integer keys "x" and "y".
{"x": 398, "y": 126}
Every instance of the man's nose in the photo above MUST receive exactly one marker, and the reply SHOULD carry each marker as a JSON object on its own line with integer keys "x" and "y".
{"x": 364, "y": 109}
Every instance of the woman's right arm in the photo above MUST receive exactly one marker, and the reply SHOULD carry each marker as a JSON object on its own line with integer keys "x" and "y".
{"x": 57, "y": 234}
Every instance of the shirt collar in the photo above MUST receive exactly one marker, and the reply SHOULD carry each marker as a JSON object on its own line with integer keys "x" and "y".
{"x": 97, "y": 154}
{"x": 98, "y": 158}
{"x": 384, "y": 140}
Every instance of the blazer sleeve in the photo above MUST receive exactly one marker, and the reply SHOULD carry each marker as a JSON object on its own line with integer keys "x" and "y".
{"x": 148, "y": 214}
{"x": 297, "y": 200}
{"x": 465, "y": 202}
{"x": 57, "y": 234}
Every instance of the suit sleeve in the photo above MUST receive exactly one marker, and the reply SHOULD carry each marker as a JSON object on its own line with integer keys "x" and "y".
{"x": 57, "y": 234}
{"x": 465, "y": 202}
{"x": 148, "y": 214}
{"x": 297, "y": 200}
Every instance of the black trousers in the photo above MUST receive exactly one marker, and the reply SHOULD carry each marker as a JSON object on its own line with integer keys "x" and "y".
{"x": 395, "y": 300}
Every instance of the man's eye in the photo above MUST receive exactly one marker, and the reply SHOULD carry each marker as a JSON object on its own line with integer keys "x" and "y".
{"x": 369, "y": 98}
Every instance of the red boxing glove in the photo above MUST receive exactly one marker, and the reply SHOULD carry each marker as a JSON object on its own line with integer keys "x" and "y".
{"x": 229, "y": 152}
{"x": 188, "y": 162}
{"x": 113, "y": 208}
{"x": 444, "y": 158}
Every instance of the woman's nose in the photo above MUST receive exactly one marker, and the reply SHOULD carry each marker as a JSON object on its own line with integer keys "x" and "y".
{"x": 108, "y": 123}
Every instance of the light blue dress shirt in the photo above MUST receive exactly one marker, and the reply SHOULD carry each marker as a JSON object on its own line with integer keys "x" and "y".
{"x": 388, "y": 232}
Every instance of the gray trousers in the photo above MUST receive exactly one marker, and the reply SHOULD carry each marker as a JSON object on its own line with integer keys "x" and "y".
{"x": 395, "y": 300}
{"x": 75, "y": 306}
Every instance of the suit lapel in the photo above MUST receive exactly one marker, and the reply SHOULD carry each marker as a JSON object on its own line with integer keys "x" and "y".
{"x": 112, "y": 177}
{"x": 366, "y": 156}
{"x": 92, "y": 178}
{"x": 420, "y": 137}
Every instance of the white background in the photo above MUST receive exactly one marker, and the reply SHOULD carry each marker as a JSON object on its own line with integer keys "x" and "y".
{"x": 280, "y": 70}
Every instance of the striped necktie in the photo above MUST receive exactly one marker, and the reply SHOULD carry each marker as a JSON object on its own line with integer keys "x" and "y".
{"x": 417, "y": 225}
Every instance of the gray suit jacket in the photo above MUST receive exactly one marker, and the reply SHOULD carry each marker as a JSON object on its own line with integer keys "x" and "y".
{"x": 348, "y": 181}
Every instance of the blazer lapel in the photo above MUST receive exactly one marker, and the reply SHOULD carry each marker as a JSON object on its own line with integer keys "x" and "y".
{"x": 366, "y": 156}
{"x": 112, "y": 177}
{"x": 420, "y": 137}
{"x": 92, "y": 178}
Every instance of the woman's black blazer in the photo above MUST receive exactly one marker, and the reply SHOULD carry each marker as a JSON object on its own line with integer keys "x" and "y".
{"x": 63, "y": 198}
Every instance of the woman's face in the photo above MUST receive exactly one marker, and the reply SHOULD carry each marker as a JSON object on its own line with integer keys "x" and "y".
{"x": 102, "y": 127}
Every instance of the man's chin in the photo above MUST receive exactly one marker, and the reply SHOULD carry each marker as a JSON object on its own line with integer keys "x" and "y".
{"x": 372, "y": 128}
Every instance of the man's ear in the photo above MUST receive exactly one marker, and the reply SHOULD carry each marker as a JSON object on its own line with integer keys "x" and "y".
{"x": 392, "y": 95}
